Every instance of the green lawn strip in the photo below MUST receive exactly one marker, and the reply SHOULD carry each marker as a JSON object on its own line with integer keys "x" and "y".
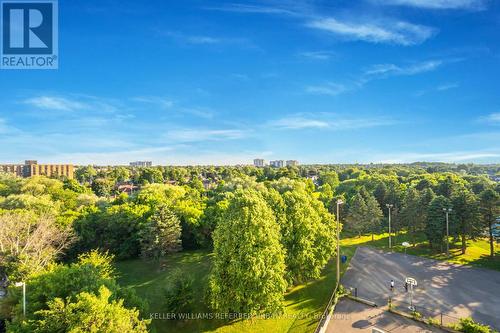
{"x": 303, "y": 303}
{"x": 477, "y": 253}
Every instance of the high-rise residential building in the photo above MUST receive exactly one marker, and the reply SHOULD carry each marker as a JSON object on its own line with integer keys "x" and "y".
{"x": 292, "y": 163}
{"x": 141, "y": 164}
{"x": 32, "y": 168}
{"x": 258, "y": 162}
{"x": 277, "y": 163}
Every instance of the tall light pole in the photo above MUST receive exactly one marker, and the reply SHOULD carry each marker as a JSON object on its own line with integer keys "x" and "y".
{"x": 447, "y": 211}
{"x": 22, "y": 284}
{"x": 389, "y": 206}
{"x": 339, "y": 202}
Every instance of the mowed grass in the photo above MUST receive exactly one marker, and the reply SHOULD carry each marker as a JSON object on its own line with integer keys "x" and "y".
{"x": 477, "y": 253}
{"x": 304, "y": 303}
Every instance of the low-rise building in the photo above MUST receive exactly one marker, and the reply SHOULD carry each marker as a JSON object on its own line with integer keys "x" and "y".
{"x": 32, "y": 168}
{"x": 141, "y": 164}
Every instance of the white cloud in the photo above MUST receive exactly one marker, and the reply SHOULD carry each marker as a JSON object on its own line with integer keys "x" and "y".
{"x": 208, "y": 40}
{"x": 74, "y": 102}
{"x": 399, "y": 32}
{"x": 392, "y": 69}
{"x": 55, "y": 103}
{"x": 5, "y": 128}
{"x": 331, "y": 89}
{"x": 327, "y": 121}
{"x": 317, "y": 55}
{"x": 492, "y": 118}
{"x": 437, "y": 4}
{"x": 460, "y": 156}
{"x": 162, "y": 102}
{"x": 253, "y": 9}
{"x": 439, "y": 88}
{"x": 447, "y": 86}
{"x": 297, "y": 122}
{"x": 196, "y": 135}
{"x": 379, "y": 71}
{"x": 203, "y": 40}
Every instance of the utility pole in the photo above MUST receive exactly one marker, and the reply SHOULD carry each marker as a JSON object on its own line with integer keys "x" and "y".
{"x": 447, "y": 211}
{"x": 389, "y": 206}
{"x": 339, "y": 202}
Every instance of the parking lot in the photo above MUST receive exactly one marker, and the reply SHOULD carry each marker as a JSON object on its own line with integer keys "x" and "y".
{"x": 453, "y": 290}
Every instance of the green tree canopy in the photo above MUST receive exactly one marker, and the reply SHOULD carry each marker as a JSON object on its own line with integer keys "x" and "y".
{"x": 249, "y": 261}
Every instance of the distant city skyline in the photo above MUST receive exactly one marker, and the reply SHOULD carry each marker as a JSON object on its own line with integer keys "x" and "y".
{"x": 223, "y": 83}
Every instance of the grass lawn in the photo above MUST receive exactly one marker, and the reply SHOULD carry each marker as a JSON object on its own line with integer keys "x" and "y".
{"x": 303, "y": 303}
{"x": 477, "y": 253}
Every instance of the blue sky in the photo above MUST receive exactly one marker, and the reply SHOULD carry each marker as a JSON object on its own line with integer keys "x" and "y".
{"x": 216, "y": 82}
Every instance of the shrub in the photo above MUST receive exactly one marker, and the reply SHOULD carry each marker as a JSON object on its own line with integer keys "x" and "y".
{"x": 468, "y": 325}
{"x": 416, "y": 315}
{"x": 179, "y": 293}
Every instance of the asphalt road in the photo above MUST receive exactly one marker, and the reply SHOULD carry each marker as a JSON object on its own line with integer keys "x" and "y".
{"x": 457, "y": 291}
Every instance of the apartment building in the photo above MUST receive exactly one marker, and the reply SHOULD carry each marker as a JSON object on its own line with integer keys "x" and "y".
{"x": 258, "y": 162}
{"x": 32, "y": 168}
{"x": 277, "y": 163}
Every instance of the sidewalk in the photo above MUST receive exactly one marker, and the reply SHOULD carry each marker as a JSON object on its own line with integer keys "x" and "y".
{"x": 352, "y": 316}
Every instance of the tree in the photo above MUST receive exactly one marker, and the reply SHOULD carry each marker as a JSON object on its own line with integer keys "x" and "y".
{"x": 114, "y": 228}
{"x": 307, "y": 235}
{"x": 179, "y": 293}
{"x": 161, "y": 234}
{"x": 29, "y": 243}
{"x": 355, "y": 219}
{"x": 88, "y": 274}
{"x": 249, "y": 261}
{"x": 331, "y": 178}
{"x": 102, "y": 187}
{"x": 119, "y": 174}
{"x": 326, "y": 195}
{"x": 85, "y": 174}
{"x": 435, "y": 226}
{"x": 411, "y": 213}
{"x": 150, "y": 176}
{"x": 489, "y": 206}
{"x": 373, "y": 213}
{"x": 380, "y": 194}
{"x": 88, "y": 313}
{"x": 466, "y": 213}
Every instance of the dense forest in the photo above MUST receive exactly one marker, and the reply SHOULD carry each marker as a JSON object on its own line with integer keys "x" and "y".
{"x": 268, "y": 229}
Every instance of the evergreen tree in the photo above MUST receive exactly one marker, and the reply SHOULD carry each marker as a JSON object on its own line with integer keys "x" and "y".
{"x": 355, "y": 219}
{"x": 373, "y": 214}
{"x": 411, "y": 212}
{"x": 466, "y": 213}
{"x": 435, "y": 227}
{"x": 489, "y": 205}
{"x": 161, "y": 235}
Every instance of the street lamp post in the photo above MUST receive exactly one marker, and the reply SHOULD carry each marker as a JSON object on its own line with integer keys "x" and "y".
{"x": 339, "y": 202}
{"x": 22, "y": 284}
{"x": 447, "y": 211}
{"x": 389, "y": 206}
